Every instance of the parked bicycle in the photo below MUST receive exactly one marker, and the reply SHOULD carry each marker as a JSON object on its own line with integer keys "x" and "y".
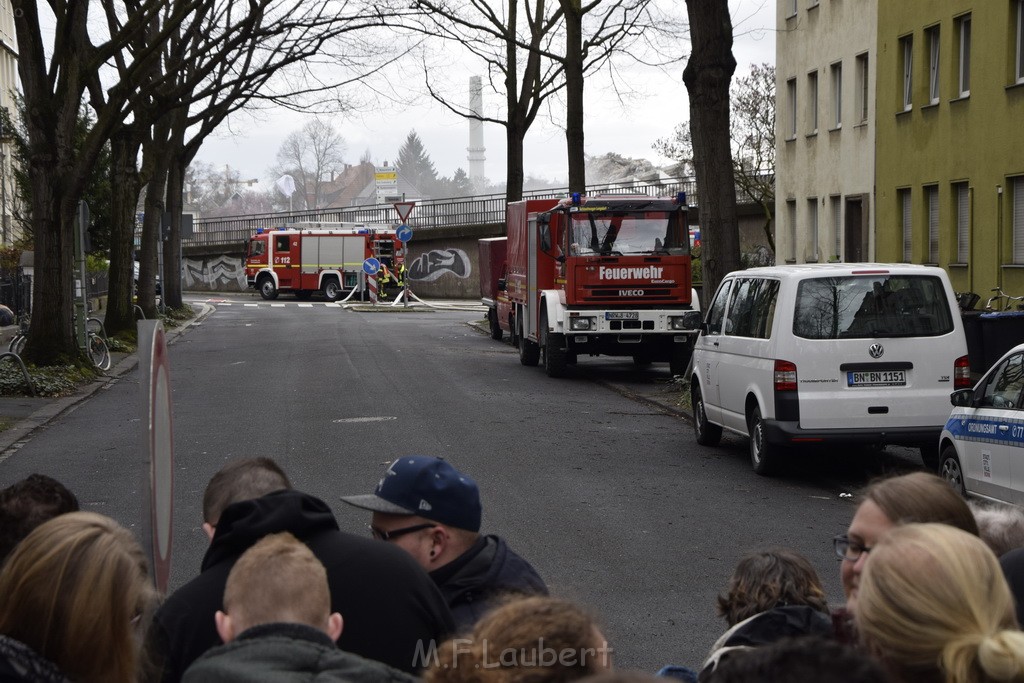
{"x": 96, "y": 346}
{"x": 1001, "y": 301}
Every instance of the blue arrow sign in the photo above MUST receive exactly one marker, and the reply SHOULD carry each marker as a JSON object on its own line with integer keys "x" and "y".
{"x": 404, "y": 233}
{"x": 371, "y": 266}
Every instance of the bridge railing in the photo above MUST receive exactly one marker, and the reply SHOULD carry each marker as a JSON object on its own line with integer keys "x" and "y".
{"x": 429, "y": 213}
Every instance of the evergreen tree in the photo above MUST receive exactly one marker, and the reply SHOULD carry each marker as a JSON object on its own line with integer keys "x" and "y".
{"x": 415, "y": 165}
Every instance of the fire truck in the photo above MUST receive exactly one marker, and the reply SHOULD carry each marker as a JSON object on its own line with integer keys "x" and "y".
{"x": 309, "y": 257}
{"x": 493, "y": 265}
{"x": 601, "y": 275}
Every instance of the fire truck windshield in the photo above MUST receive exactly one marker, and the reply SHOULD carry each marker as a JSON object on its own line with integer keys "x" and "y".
{"x": 257, "y": 247}
{"x": 652, "y": 232}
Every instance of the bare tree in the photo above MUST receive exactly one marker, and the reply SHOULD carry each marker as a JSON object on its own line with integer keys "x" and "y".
{"x": 707, "y": 77}
{"x": 311, "y": 156}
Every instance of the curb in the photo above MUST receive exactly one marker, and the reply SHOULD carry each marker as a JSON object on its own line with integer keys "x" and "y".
{"x": 12, "y": 439}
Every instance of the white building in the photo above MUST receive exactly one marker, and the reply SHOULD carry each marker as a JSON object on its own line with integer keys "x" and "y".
{"x": 9, "y": 84}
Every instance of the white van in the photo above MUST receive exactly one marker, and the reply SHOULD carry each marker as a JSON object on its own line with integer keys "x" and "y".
{"x": 829, "y": 353}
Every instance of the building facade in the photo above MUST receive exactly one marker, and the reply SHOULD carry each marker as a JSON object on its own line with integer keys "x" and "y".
{"x": 950, "y": 139}
{"x": 9, "y": 84}
{"x": 825, "y": 130}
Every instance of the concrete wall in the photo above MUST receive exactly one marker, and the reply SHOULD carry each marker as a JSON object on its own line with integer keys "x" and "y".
{"x": 442, "y": 264}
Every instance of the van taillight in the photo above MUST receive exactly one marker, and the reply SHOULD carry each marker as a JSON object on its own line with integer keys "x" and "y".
{"x": 962, "y": 373}
{"x": 785, "y": 376}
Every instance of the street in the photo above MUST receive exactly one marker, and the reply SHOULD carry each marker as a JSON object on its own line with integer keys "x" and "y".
{"x": 609, "y": 497}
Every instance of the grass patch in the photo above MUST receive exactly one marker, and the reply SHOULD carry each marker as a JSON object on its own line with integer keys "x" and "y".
{"x": 55, "y": 380}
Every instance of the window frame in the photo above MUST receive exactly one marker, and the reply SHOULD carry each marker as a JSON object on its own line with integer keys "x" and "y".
{"x": 812, "y": 101}
{"x": 904, "y": 196}
{"x": 931, "y": 203}
{"x": 907, "y": 65}
{"x": 791, "y": 216}
{"x": 862, "y": 64}
{"x": 962, "y": 208}
{"x": 837, "y": 224}
{"x": 791, "y": 102}
{"x": 1016, "y": 184}
{"x": 963, "y": 66}
{"x": 932, "y": 38}
{"x": 836, "y": 71}
{"x": 812, "y": 225}
{"x": 1019, "y": 57}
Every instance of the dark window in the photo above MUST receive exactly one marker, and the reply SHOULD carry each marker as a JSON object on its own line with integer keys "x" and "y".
{"x": 281, "y": 243}
{"x": 752, "y": 308}
{"x": 257, "y": 247}
{"x": 717, "y": 311}
{"x": 1004, "y": 387}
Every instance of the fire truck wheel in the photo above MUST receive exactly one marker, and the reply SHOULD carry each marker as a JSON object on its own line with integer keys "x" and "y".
{"x": 553, "y": 348}
{"x": 529, "y": 351}
{"x": 492, "y": 321}
{"x": 267, "y": 289}
{"x": 332, "y": 290}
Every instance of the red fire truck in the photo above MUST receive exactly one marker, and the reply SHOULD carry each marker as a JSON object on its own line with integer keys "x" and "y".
{"x": 493, "y": 265}
{"x": 601, "y": 275}
{"x": 326, "y": 257}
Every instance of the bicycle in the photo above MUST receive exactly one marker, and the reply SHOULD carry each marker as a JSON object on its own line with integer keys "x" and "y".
{"x": 17, "y": 344}
{"x": 96, "y": 345}
{"x": 1003, "y": 301}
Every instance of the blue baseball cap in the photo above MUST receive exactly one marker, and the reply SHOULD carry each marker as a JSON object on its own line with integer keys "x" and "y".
{"x": 427, "y": 487}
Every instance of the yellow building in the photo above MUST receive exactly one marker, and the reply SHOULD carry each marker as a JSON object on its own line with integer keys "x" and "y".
{"x": 949, "y": 148}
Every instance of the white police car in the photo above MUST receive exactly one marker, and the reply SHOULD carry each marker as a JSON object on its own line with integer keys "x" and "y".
{"x": 982, "y": 444}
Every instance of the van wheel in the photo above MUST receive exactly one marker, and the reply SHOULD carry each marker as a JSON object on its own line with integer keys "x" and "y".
{"x": 763, "y": 455}
{"x": 553, "y": 349}
{"x": 492, "y": 322}
{"x": 930, "y": 456}
{"x": 267, "y": 289}
{"x": 707, "y": 434}
{"x": 951, "y": 471}
{"x": 529, "y": 351}
{"x": 332, "y": 290}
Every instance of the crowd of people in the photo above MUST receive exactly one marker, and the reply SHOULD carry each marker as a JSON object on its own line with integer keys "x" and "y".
{"x": 933, "y": 593}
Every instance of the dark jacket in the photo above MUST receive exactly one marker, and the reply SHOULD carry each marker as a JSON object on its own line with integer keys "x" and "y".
{"x": 287, "y": 653}
{"x": 20, "y": 663}
{"x": 1013, "y": 569}
{"x": 388, "y": 602}
{"x": 488, "y": 569}
{"x": 770, "y": 627}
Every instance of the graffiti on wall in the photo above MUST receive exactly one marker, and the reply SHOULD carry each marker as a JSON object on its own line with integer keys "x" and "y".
{"x": 216, "y": 272}
{"x": 431, "y": 265}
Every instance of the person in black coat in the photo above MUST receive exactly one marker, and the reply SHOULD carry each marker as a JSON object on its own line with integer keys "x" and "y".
{"x": 392, "y": 609}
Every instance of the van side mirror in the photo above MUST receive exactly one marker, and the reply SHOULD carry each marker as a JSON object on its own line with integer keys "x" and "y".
{"x": 545, "y": 237}
{"x": 962, "y": 397}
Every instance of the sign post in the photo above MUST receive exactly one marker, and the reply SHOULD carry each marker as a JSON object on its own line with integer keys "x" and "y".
{"x": 371, "y": 267}
{"x": 404, "y": 234}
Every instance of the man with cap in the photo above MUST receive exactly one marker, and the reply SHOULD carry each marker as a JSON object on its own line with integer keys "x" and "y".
{"x": 432, "y": 511}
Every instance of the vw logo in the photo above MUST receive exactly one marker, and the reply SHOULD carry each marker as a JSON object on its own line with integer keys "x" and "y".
{"x": 876, "y": 350}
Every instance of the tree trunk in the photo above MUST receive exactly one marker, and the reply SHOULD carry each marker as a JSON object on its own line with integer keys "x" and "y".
{"x": 52, "y": 340}
{"x": 574, "y": 95}
{"x": 151, "y": 221}
{"x": 707, "y": 77}
{"x": 125, "y": 183}
{"x": 172, "y": 247}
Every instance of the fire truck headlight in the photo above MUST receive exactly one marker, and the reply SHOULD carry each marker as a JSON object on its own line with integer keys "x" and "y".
{"x": 577, "y": 324}
{"x": 690, "y": 320}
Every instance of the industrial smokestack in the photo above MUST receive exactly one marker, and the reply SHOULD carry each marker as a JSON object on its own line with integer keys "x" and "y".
{"x": 476, "y": 148}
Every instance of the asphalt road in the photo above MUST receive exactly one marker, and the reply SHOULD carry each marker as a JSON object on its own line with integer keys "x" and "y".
{"x": 606, "y": 493}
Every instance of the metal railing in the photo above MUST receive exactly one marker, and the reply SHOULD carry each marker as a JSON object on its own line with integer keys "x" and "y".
{"x": 429, "y": 213}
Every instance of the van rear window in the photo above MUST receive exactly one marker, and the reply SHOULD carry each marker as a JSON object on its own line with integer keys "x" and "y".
{"x": 872, "y": 306}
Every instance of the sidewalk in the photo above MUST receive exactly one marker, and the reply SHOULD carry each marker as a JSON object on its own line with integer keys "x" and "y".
{"x": 22, "y": 415}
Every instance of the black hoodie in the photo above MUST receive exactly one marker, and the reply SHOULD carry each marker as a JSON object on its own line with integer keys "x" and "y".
{"x": 388, "y": 602}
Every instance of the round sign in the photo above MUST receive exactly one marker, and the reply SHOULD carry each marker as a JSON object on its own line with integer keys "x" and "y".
{"x": 404, "y": 233}
{"x": 371, "y": 266}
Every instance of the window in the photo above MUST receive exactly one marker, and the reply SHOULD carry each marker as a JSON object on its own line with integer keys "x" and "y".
{"x": 960, "y": 196}
{"x": 281, "y": 243}
{"x": 717, "y": 312}
{"x": 907, "y": 52}
{"x": 1017, "y": 186}
{"x": 1019, "y": 61}
{"x": 812, "y": 225}
{"x": 931, "y": 196}
{"x": 862, "y": 87}
{"x": 904, "y": 199}
{"x": 1004, "y": 387}
{"x": 752, "y": 308}
{"x": 812, "y": 101}
{"x": 837, "y": 95}
{"x": 837, "y": 225}
{"x": 964, "y": 66}
{"x": 791, "y": 228}
{"x": 791, "y": 111}
{"x": 932, "y": 35}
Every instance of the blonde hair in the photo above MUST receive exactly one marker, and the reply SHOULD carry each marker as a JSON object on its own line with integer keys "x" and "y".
{"x": 278, "y": 580}
{"x": 72, "y": 590}
{"x": 933, "y": 605}
{"x": 525, "y": 640}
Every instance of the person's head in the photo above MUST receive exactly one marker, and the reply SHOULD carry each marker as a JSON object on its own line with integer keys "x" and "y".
{"x": 771, "y": 578}
{"x": 885, "y": 503}
{"x": 277, "y": 580}
{"x": 26, "y": 504}
{"x": 1000, "y": 526}
{"x": 797, "y": 660}
{"x": 934, "y": 605}
{"x": 426, "y": 507}
{"x": 74, "y": 590}
{"x": 237, "y": 481}
{"x": 525, "y": 640}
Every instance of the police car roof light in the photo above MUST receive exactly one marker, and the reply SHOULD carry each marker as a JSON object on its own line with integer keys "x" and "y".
{"x": 575, "y": 198}
{"x": 259, "y": 231}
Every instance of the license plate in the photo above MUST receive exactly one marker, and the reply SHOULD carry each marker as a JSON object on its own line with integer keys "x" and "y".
{"x": 622, "y": 315}
{"x": 877, "y": 378}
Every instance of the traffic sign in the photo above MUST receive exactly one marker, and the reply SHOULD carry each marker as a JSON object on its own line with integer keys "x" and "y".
{"x": 371, "y": 266}
{"x": 404, "y": 209}
{"x": 404, "y": 233}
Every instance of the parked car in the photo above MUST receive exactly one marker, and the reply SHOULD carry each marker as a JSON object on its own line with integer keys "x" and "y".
{"x": 982, "y": 445}
{"x": 841, "y": 353}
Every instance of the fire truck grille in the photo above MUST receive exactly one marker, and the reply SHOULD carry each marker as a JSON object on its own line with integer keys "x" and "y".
{"x": 617, "y": 325}
{"x": 647, "y": 295}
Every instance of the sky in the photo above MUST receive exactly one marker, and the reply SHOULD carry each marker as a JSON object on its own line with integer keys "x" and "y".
{"x": 250, "y": 146}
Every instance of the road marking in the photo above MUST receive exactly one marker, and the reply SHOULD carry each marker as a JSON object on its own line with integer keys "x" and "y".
{"x": 250, "y": 305}
{"x": 305, "y": 305}
{"x": 379, "y": 418}
{"x": 278, "y": 305}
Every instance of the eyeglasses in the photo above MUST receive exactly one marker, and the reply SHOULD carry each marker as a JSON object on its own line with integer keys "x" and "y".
{"x": 382, "y": 535}
{"x": 849, "y": 550}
